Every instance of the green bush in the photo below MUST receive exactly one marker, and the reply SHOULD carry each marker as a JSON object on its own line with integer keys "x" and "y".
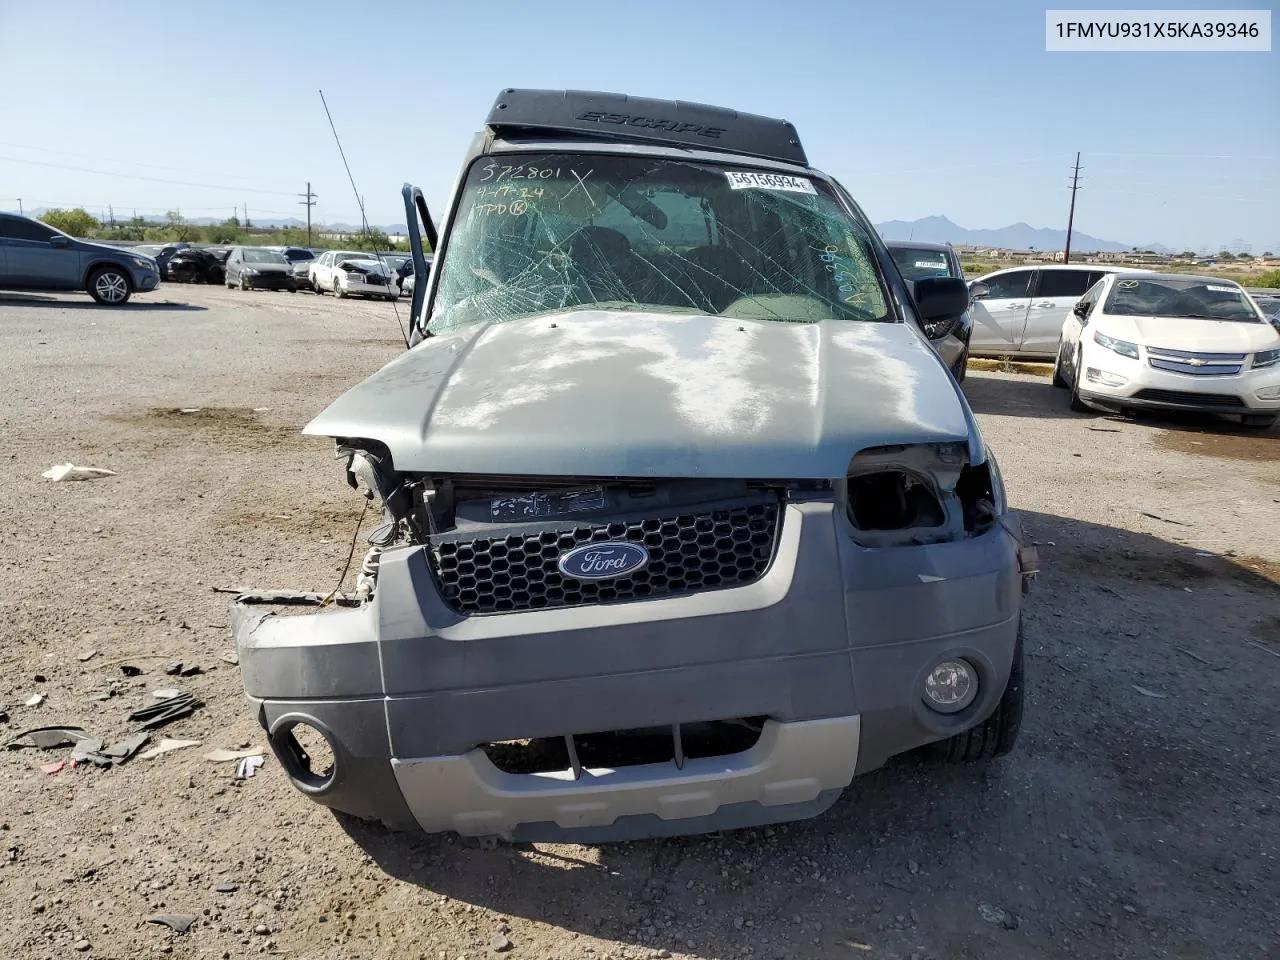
{"x": 78, "y": 222}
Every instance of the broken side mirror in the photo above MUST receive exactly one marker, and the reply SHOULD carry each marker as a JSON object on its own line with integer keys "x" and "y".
{"x": 419, "y": 223}
{"x": 1081, "y": 310}
{"x": 979, "y": 290}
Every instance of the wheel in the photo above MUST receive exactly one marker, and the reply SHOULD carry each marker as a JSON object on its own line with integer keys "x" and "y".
{"x": 1259, "y": 421}
{"x": 337, "y": 290}
{"x": 244, "y": 282}
{"x": 1076, "y": 403}
{"x": 996, "y": 735}
{"x": 1059, "y": 380}
{"x": 961, "y": 366}
{"x": 110, "y": 286}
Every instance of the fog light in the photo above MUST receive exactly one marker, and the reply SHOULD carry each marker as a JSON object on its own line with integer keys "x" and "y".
{"x": 1269, "y": 393}
{"x": 951, "y": 686}
{"x": 1094, "y": 375}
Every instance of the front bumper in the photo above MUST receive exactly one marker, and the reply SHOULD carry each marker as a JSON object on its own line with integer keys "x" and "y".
{"x": 270, "y": 281}
{"x": 1149, "y": 388}
{"x": 831, "y": 645}
{"x": 361, "y": 288}
{"x": 144, "y": 282}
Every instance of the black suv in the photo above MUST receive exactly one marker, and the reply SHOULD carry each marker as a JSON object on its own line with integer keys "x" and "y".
{"x": 949, "y": 335}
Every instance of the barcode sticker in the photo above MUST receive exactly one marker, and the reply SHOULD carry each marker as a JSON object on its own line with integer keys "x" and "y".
{"x": 740, "y": 180}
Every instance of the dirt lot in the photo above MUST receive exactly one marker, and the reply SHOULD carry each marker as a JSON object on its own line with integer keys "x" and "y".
{"x": 1139, "y": 816}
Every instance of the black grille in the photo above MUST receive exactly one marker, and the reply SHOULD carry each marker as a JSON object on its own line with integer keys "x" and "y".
{"x": 1188, "y": 399}
{"x": 688, "y": 553}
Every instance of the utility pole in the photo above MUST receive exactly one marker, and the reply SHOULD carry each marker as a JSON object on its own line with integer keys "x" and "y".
{"x": 247, "y": 224}
{"x": 309, "y": 201}
{"x": 21, "y": 212}
{"x": 1075, "y": 184}
{"x": 111, "y": 212}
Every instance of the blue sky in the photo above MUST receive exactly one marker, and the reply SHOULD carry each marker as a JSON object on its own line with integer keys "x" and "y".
{"x": 930, "y": 108}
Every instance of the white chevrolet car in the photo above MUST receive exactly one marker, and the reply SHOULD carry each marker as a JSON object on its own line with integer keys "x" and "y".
{"x": 1156, "y": 340}
{"x": 346, "y": 273}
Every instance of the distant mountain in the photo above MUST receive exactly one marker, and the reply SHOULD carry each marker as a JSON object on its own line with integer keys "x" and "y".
{"x": 1018, "y": 236}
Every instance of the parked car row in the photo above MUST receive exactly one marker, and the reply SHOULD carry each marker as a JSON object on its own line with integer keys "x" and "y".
{"x": 1120, "y": 338}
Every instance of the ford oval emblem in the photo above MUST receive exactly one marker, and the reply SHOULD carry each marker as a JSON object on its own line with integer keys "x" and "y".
{"x": 603, "y": 561}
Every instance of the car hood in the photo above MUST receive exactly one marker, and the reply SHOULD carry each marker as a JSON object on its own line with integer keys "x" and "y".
{"x": 597, "y": 393}
{"x": 88, "y": 246}
{"x": 1183, "y": 333}
{"x": 368, "y": 266}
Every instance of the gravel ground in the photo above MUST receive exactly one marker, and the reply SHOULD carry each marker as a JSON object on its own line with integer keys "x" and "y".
{"x": 1137, "y": 818}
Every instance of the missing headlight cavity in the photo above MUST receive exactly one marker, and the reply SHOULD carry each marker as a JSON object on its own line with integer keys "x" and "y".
{"x": 305, "y": 753}
{"x": 625, "y": 748}
{"x": 918, "y": 494}
{"x": 892, "y": 500}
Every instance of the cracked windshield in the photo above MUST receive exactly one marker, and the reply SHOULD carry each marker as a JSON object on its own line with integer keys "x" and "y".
{"x": 551, "y": 232}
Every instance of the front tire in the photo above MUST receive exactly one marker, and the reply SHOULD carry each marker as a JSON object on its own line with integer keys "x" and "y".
{"x": 110, "y": 286}
{"x": 337, "y": 290}
{"x": 996, "y": 735}
{"x": 1059, "y": 380}
{"x": 244, "y": 283}
{"x": 1076, "y": 403}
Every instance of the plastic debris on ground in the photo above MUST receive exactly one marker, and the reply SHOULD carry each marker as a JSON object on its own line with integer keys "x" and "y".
{"x": 167, "y": 746}
{"x": 248, "y": 766}
{"x": 177, "y": 922}
{"x": 166, "y": 693}
{"x": 93, "y": 751}
{"x": 69, "y": 471}
{"x": 35, "y": 700}
{"x": 224, "y": 756}
{"x": 48, "y": 738}
{"x": 166, "y": 711}
{"x": 87, "y": 655}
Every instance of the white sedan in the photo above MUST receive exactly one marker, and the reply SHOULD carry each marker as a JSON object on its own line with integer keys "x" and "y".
{"x": 1157, "y": 340}
{"x": 351, "y": 273}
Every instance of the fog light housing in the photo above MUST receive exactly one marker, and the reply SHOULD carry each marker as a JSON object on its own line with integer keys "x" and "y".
{"x": 951, "y": 686}
{"x": 1268, "y": 393}
{"x": 1094, "y": 375}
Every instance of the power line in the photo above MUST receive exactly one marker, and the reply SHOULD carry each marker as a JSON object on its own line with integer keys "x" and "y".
{"x": 134, "y": 176}
{"x": 130, "y": 163}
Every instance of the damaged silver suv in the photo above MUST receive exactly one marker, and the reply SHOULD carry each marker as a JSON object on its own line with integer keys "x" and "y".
{"x": 685, "y": 524}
